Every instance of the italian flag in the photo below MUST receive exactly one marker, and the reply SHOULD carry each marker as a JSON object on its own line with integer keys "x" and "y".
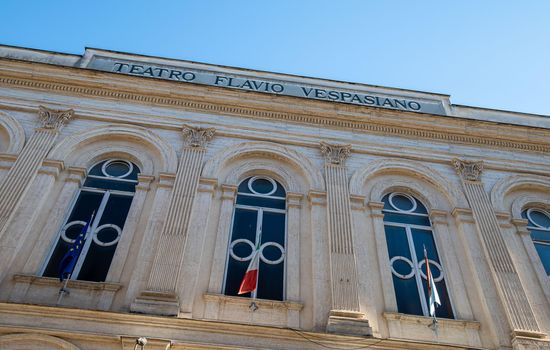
{"x": 432, "y": 290}
{"x": 251, "y": 276}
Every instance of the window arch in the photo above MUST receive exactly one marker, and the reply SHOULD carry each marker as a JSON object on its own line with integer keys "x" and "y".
{"x": 259, "y": 218}
{"x": 539, "y": 227}
{"x": 408, "y": 230}
{"x": 108, "y": 192}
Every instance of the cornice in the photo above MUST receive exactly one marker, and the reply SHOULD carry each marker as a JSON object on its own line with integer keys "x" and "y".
{"x": 372, "y": 120}
{"x": 129, "y": 322}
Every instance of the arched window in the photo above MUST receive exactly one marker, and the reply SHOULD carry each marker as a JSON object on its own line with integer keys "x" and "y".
{"x": 258, "y": 221}
{"x": 107, "y": 191}
{"x": 408, "y": 231}
{"x": 539, "y": 226}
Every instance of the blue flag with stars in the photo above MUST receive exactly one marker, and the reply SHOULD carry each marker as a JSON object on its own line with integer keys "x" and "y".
{"x": 68, "y": 262}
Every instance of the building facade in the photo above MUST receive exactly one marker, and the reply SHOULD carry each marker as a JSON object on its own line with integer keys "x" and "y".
{"x": 172, "y": 177}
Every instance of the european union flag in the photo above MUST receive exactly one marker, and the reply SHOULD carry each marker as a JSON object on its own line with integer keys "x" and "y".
{"x": 67, "y": 263}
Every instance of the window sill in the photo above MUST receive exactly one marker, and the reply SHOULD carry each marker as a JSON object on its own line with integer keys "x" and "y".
{"x": 452, "y": 332}
{"x": 423, "y": 320}
{"x": 253, "y": 311}
{"x": 260, "y": 303}
{"x": 72, "y": 284}
{"x": 45, "y": 291}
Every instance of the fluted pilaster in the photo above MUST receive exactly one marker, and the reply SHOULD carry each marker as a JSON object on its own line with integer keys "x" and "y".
{"x": 520, "y": 315}
{"x": 342, "y": 259}
{"x": 163, "y": 279}
{"x": 26, "y": 166}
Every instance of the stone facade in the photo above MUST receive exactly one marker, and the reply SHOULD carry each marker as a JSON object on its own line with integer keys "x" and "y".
{"x": 475, "y": 170}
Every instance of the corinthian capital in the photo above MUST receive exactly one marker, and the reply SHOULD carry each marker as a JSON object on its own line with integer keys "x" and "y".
{"x": 53, "y": 119}
{"x": 197, "y": 137}
{"x": 335, "y": 154}
{"x": 467, "y": 169}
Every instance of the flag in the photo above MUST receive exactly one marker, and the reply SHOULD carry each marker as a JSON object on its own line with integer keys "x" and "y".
{"x": 251, "y": 276}
{"x": 67, "y": 263}
{"x": 432, "y": 290}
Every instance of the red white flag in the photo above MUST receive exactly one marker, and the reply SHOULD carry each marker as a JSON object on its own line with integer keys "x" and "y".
{"x": 251, "y": 276}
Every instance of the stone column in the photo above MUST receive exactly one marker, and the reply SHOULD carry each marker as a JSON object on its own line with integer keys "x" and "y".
{"x": 161, "y": 295}
{"x": 15, "y": 245}
{"x": 293, "y": 265}
{"x": 345, "y": 316}
{"x": 194, "y": 248}
{"x": 25, "y": 167}
{"x": 319, "y": 258}
{"x": 217, "y": 267}
{"x": 148, "y": 240}
{"x": 512, "y": 295}
{"x": 377, "y": 219}
{"x": 48, "y": 232}
{"x": 228, "y": 194}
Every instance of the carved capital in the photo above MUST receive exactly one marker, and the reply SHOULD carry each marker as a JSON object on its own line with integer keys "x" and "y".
{"x": 53, "y": 119}
{"x": 197, "y": 137}
{"x": 335, "y": 154}
{"x": 467, "y": 169}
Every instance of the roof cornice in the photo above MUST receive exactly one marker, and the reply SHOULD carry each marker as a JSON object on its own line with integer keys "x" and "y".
{"x": 94, "y": 84}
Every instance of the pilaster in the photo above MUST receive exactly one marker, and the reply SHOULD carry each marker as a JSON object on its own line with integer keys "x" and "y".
{"x": 345, "y": 316}
{"x": 320, "y": 257}
{"x": 161, "y": 295}
{"x": 26, "y": 166}
{"x": 510, "y": 290}
{"x": 194, "y": 247}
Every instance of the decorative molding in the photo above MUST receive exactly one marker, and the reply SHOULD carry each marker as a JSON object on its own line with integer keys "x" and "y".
{"x": 207, "y": 185}
{"x": 197, "y": 137}
{"x": 317, "y": 197}
{"x": 418, "y": 176}
{"x": 528, "y": 343}
{"x": 261, "y": 303}
{"x": 438, "y": 216}
{"x": 228, "y": 191}
{"x": 298, "y": 166}
{"x": 76, "y": 174}
{"x": 467, "y": 169}
{"x": 263, "y": 114}
{"x": 357, "y": 202}
{"x": 443, "y": 322}
{"x": 51, "y": 167}
{"x": 376, "y": 209}
{"x": 19, "y": 341}
{"x": 167, "y": 180}
{"x": 53, "y": 118}
{"x": 15, "y": 131}
{"x": 294, "y": 199}
{"x": 521, "y": 226}
{"x": 144, "y": 182}
{"x": 335, "y": 154}
{"x": 76, "y": 284}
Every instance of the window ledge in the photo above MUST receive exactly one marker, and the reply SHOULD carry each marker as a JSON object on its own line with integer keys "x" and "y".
{"x": 423, "y": 320}
{"x": 76, "y": 284}
{"x": 260, "y": 303}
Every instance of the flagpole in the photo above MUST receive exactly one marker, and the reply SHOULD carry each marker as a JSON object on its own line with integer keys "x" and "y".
{"x": 433, "y": 326}
{"x": 63, "y": 290}
{"x": 254, "y": 293}
{"x": 63, "y": 266}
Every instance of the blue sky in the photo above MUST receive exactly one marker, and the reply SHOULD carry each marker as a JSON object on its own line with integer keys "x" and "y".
{"x": 493, "y": 54}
